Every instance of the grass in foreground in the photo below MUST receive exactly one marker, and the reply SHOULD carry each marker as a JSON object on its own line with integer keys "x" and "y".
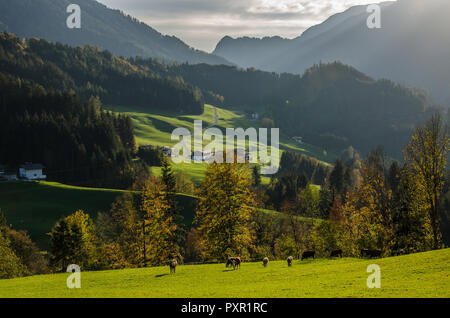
{"x": 417, "y": 275}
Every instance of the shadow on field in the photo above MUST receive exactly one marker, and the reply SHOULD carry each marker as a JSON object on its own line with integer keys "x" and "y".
{"x": 161, "y": 275}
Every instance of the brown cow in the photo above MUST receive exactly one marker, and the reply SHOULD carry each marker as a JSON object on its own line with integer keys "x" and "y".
{"x": 265, "y": 261}
{"x": 371, "y": 253}
{"x": 308, "y": 254}
{"x": 234, "y": 261}
{"x": 337, "y": 253}
{"x": 173, "y": 265}
{"x": 290, "y": 259}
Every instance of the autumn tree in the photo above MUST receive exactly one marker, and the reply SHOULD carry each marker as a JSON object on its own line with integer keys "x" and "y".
{"x": 72, "y": 241}
{"x": 119, "y": 233}
{"x": 27, "y": 251}
{"x": 10, "y": 265}
{"x": 368, "y": 209}
{"x": 157, "y": 225}
{"x": 224, "y": 209}
{"x": 427, "y": 153}
{"x": 412, "y": 224}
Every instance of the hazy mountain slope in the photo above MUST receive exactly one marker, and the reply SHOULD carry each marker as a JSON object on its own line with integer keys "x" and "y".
{"x": 249, "y": 52}
{"x": 412, "y": 47}
{"x": 107, "y": 28}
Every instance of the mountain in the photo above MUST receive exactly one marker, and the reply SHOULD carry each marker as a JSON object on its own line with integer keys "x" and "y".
{"x": 411, "y": 48}
{"x": 100, "y": 26}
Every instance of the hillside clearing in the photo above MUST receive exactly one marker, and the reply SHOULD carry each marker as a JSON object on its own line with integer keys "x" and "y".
{"x": 156, "y": 129}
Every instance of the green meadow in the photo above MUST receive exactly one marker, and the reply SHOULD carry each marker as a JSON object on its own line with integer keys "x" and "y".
{"x": 156, "y": 129}
{"x": 420, "y": 275}
{"x": 37, "y": 206}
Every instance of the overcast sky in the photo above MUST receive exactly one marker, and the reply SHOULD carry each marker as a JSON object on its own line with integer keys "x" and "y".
{"x": 202, "y": 23}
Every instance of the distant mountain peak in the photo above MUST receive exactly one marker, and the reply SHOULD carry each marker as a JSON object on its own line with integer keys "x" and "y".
{"x": 409, "y": 48}
{"x": 110, "y": 29}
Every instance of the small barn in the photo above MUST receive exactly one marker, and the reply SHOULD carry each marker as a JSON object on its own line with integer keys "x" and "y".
{"x": 32, "y": 171}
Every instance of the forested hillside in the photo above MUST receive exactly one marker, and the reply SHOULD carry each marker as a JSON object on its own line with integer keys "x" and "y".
{"x": 77, "y": 142}
{"x": 333, "y": 106}
{"x": 100, "y": 26}
{"x": 92, "y": 72}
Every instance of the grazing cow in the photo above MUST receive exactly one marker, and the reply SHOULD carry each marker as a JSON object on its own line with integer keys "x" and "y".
{"x": 265, "y": 261}
{"x": 234, "y": 261}
{"x": 290, "y": 259}
{"x": 336, "y": 253}
{"x": 402, "y": 252}
{"x": 308, "y": 254}
{"x": 173, "y": 265}
{"x": 370, "y": 253}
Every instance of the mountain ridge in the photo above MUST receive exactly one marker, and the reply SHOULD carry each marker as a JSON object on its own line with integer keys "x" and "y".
{"x": 410, "y": 48}
{"x": 101, "y": 26}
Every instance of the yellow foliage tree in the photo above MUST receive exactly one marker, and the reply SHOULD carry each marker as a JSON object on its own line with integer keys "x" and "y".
{"x": 224, "y": 209}
{"x": 427, "y": 153}
{"x": 158, "y": 227}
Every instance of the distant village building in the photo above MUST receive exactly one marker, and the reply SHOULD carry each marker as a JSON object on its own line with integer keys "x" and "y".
{"x": 255, "y": 116}
{"x": 2, "y": 170}
{"x": 201, "y": 155}
{"x": 31, "y": 171}
{"x": 167, "y": 150}
{"x": 298, "y": 139}
{"x": 9, "y": 176}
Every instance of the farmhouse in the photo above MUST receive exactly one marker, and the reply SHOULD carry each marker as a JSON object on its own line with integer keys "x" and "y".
{"x": 31, "y": 171}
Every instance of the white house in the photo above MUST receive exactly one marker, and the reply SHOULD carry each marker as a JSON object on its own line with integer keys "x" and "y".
{"x": 201, "y": 155}
{"x": 2, "y": 170}
{"x": 31, "y": 171}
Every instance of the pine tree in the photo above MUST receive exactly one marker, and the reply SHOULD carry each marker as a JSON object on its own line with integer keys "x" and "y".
{"x": 72, "y": 241}
{"x": 157, "y": 225}
{"x": 224, "y": 209}
{"x": 169, "y": 180}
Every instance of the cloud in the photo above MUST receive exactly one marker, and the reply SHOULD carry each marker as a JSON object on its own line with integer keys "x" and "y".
{"x": 202, "y": 23}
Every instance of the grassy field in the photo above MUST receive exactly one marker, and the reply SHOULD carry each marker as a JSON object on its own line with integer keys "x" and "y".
{"x": 156, "y": 129}
{"x": 37, "y": 206}
{"x": 417, "y": 275}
